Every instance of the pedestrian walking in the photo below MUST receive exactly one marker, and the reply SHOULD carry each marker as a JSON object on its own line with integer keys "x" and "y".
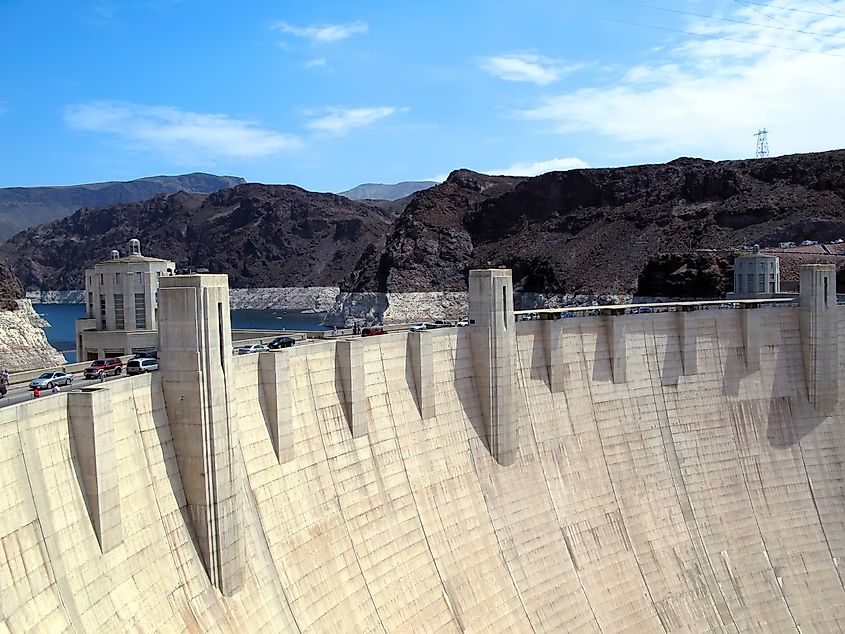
{"x": 55, "y": 389}
{"x": 36, "y": 393}
{"x": 102, "y": 376}
{"x": 3, "y": 390}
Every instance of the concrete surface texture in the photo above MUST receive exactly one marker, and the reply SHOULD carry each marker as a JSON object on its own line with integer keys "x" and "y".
{"x": 692, "y": 487}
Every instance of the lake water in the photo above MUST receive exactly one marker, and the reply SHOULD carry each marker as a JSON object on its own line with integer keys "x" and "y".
{"x": 62, "y": 318}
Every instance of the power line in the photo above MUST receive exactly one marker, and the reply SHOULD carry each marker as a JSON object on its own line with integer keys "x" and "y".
{"x": 827, "y": 6}
{"x": 734, "y": 21}
{"x": 782, "y": 8}
{"x": 774, "y": 19}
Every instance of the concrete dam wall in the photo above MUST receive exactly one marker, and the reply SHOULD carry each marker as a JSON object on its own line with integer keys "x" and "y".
{"x": 667, "y": 472}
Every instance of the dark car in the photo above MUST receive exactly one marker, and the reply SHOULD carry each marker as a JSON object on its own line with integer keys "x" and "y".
{"x": 371, "y": 331}
{"x": 281, "y": 342}
{"x": 111, "y": 365}
{"x": 147, "y": 354}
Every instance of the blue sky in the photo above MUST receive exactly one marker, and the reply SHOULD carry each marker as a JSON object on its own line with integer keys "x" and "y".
{"x": 328, "y": 95}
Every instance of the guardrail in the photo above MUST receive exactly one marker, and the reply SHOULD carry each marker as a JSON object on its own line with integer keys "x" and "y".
{"x": 655, "y": 307}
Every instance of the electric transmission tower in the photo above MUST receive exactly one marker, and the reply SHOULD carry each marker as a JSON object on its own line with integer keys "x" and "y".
{"x": 762, "y": 144}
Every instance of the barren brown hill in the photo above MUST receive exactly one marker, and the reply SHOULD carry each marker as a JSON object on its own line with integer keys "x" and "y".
{"x": 596, "y": 230}
{"x": 260, "y": 235}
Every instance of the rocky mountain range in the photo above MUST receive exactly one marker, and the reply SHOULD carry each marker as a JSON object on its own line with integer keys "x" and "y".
{"x": 24, "y": 207}
{"x": 260, "y": 235}
{"x": 585, "y": 231}
{"x": 380, "y": 191}
{"x": 596, "y": 230}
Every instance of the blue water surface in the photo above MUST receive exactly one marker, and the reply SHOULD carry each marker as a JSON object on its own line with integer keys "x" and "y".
{"x": 62, "y": 318}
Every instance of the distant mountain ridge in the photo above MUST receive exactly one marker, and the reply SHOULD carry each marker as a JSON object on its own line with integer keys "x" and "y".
{"x": 25, "y": 207}
{"x": 260, "y": 235}
{"x": 381, "y": 191}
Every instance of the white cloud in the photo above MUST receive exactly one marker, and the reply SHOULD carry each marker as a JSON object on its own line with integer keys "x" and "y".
{"x": 707, "y": 97}
{"x": 324, "y": 34}
{"x": 319, "y": 62}
{"x": 340, "y": 120}
{"x": 525, "y": 67}
{"x": 540, "y": 167}
{"x": 178, "y": 134}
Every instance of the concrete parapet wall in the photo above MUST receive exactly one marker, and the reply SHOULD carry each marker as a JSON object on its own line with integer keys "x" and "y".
{"x": 670, "y": 502}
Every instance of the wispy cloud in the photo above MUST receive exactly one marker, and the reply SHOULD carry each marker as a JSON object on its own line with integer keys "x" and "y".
{"x": 319, "y": 62}
{"x": 528, "y": 67}
{"x": 540, "y": 167}
{"x": 707, "y": 96}
{"x": 178, "y": 134}
{"x": 340, "y": 120}
{"x": 323, "y": 34}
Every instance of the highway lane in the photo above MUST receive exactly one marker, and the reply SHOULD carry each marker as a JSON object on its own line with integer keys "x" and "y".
{"x": 21, "y": 393}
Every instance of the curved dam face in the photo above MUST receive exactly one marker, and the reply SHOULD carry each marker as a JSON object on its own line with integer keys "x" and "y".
{"x": 670, "y": 473}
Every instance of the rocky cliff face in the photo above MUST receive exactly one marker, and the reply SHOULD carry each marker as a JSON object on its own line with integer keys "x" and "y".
{"x": 23, "y": 207}
{"x": 23, "y": 344}
{"x": 260, "y": 235}
{"x": 595, "y": 230}
{"x": 11, "y": 289}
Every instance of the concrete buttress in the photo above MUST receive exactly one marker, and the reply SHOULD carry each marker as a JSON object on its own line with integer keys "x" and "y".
{"x": 492, "y": 335}
{"x": 91, "y": 418}
{"x": 750, "y": 317}
{"x": 350, "y": 362}
{"x": 422, "y": 362}
{"x": 688, "y": 335}
{"x": 274, "y": 381}
{"x": 196, "y": 376}
{"x": 616, "y": 346}
{"x": 820, "y": 334}
{"x": 553, "y": 348}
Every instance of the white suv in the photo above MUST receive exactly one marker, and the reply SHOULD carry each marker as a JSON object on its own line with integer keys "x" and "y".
{"x": 140, "y": 366}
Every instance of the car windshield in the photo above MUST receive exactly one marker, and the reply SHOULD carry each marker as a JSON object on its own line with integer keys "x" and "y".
{"x": 46, "y": 375}
{"x": 99, "y": 362}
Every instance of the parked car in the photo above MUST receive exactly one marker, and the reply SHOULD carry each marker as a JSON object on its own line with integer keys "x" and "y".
{"x": 423, "y": 326}
{"x": 281, "y": 342}
{"x": 110, "y": 365}
{"x": 463, "y": 322}
{"x": 146, "y": 354}
{"x": 371, "y": 331}
{"x": 48, "y": 379}
{"x": 251, "y": 348}
{"x": 443, "y": 323}
{"x": 142, "y": 365}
